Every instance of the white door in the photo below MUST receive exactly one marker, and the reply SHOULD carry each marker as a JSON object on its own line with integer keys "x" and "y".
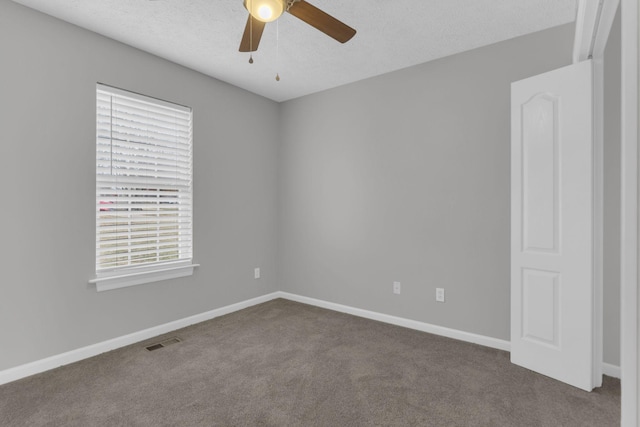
{"x": 552, "y": 225}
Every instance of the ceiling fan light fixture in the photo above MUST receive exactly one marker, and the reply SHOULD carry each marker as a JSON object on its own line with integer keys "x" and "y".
{"x": 265, "y": 10}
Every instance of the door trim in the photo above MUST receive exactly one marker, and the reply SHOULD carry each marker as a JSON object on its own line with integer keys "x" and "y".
{"x": 594, "y": 19}
{"x": 629, "y": 216}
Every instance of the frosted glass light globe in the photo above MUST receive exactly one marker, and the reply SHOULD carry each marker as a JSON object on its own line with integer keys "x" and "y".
{"x": 265, "y": 10}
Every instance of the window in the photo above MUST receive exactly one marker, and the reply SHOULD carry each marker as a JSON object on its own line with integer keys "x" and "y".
{"x": 143, "y": 189}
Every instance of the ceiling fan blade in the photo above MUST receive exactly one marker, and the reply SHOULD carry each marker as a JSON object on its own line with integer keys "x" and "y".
{"x": 252, "y": 35}
{"x": 322, "y": 21}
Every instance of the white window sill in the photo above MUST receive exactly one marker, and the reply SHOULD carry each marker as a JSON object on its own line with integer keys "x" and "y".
{"x": 123, "y": 279}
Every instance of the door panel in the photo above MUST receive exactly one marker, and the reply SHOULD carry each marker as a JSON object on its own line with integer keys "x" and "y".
{"x": 540, "y": 307}
{"x": 552, "y": 287}
{"x": 540, "y": 173}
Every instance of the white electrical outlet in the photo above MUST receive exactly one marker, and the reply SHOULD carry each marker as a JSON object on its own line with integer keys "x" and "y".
{"x": 256, "y": 273}
{"x": 440, "y": 294}
{"x": 396, "y": 288}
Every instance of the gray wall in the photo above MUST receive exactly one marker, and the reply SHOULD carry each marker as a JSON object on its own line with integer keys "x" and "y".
{"x": 48, "y": 72}
{"x": 612, "y": 114}
{"x": 405, "y": 177}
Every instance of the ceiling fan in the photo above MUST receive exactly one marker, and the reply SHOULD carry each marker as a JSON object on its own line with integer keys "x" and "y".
{"x": 263, "y": 11}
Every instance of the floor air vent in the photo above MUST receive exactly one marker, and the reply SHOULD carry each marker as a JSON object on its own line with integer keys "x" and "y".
{"x": 164, "y": 343}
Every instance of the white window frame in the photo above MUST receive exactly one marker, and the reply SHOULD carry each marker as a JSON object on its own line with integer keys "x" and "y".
{"x": 116, "y": 276}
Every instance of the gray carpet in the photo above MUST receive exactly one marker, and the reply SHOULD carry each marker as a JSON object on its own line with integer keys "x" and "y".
{"x": 288, "y": 364}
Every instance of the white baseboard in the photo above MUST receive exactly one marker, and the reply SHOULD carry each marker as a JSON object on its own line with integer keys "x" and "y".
{"x": 72, "y": 356}
{"x": 611, "y": 370}
{"x": 400, "y": 321}
{"x": 52, "y": 362}
{"x": 607, "y": 369}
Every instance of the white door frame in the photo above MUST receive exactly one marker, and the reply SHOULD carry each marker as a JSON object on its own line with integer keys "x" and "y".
{"x": 593, "y": 24}
{"x": 629, "y": 320}
{"x": 592, "y": 28}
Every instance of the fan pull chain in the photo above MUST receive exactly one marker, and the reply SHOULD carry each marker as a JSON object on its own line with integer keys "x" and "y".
{"x": 277, "y": 49}
{"x": 250, "y": 40}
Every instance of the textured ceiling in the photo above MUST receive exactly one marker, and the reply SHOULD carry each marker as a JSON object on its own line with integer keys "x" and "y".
{"x": 392, "y": 34}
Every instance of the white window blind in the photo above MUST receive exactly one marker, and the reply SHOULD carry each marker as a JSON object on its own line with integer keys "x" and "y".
{"x": 143, "y": 182}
